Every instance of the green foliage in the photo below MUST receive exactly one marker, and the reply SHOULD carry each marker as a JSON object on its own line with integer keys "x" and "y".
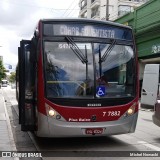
{"x": 12, "y": 77}
{"x": 2, "y": 71}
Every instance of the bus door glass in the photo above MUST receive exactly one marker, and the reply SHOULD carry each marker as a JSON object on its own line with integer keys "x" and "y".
{"x": 26, "y": 87}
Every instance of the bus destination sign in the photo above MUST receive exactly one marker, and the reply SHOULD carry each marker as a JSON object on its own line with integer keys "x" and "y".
{"x": 99, "y": 31}
{"x": 88, "y": 31}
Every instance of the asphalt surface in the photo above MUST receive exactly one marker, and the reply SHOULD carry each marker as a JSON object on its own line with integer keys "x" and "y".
{"x": 145, "y": 138}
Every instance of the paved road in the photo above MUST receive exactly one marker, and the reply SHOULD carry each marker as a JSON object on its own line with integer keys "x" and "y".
{"x": 146, "y": 137}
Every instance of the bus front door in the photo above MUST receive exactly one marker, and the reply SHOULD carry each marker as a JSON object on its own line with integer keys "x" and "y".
{"x": 26, "y": 87}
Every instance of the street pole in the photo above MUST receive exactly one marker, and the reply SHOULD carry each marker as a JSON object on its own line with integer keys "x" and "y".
{"x": 107, "y": 10}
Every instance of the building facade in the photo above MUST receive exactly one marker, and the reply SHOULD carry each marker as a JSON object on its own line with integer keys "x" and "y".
{"x": 145, "y": 21}
{"x": 107, "y": 9}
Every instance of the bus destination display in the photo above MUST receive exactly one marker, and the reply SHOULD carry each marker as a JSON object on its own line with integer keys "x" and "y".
{"x": 85, "y": 30}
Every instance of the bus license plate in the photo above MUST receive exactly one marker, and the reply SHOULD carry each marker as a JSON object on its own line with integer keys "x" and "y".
{"x": 94, "y": 131}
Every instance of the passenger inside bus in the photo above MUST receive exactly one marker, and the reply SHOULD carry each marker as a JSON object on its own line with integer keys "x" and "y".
{"x": 102, "y": 81}
{"x": 85, "y": 88}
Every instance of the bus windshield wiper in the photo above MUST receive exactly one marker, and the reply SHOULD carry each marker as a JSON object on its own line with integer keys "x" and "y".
{"x": 76, "y": 50}
{"x": 105, "y": 55}
{"x": 79, "y": 54}
{"x": 107, "y": 52}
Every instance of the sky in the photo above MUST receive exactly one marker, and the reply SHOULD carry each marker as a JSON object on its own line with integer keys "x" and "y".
{"x": 18, "y": 19}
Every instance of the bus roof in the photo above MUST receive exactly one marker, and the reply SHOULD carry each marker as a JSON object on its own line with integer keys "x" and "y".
{"x": 85, "y": 20}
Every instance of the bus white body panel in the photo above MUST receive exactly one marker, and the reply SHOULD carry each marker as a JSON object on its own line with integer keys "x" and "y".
{"x": 150, "y": 86}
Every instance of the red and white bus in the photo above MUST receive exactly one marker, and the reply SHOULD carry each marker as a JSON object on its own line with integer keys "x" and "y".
{"x": 78, "y": 78}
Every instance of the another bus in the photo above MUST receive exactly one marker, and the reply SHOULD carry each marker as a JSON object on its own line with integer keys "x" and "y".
{"x": 78, "y": 78}
{"x": 4, "y": 83}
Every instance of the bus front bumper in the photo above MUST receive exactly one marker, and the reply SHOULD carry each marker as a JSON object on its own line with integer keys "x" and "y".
{"x": 49, "y": 127}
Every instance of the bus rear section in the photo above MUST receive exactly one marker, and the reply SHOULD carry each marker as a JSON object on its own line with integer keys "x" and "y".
{"x": 78, "y": 78}
{"x": 4, "y": 83}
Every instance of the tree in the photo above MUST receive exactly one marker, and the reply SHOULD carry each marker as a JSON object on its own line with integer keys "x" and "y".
{"x": 12, "y": 77}
{"x": 2, "y": 71}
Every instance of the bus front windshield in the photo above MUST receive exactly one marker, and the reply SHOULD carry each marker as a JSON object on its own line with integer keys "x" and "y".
{"x": 88, "y": 70}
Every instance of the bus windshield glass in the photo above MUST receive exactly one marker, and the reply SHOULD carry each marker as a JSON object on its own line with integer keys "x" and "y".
{"x": 88, "y": 70}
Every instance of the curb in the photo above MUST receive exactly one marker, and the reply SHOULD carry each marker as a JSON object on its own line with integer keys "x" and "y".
{"x": 13, "y": 146}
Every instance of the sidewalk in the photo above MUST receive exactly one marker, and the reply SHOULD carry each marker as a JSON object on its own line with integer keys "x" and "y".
{"x": 6, "y": 137}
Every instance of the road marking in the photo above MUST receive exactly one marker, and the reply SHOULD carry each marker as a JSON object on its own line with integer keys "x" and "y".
{"x": 149, "y": 145}
{"x": 2, "y": 117}
{"x": 14, "y": 102}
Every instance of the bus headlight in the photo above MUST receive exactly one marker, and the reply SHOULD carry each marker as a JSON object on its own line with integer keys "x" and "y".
{"x": 51, "y": 112}
{"x": 130, "y": 111}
